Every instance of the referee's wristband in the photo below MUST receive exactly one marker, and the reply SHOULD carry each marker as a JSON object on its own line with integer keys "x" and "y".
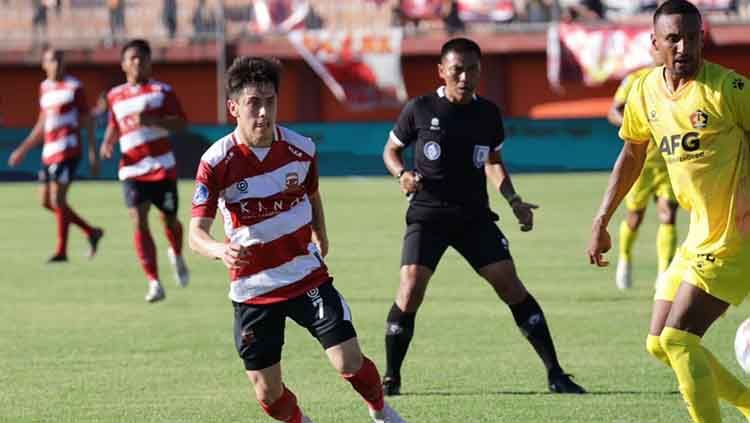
{"x": 513, "y": 198}
{"x": 401, "y": 173}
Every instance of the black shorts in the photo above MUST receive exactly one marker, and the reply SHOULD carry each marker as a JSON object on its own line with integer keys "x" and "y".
{"x": 63, "y": 172}
{"x": 259, "y": 329}
{"x": 480, "y": 242}
{"x": 162, "y": 194}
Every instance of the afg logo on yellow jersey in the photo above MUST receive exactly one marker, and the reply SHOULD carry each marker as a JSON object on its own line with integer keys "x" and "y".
{"x": 687, "y": 142}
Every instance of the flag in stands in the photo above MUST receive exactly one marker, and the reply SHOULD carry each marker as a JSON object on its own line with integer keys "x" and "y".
{"x": 280, "y": 16}
{"x": 362, "y": 69}
{"x": 485, "y": 10}
{"x": 592, "y": 55}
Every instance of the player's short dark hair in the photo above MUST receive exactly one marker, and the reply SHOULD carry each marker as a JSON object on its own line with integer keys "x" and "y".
{"x": 677, "y": 7}
{"x": 460, "y": 45}
{"x": 139, "y": 44}
{"x": 249, "y": 70}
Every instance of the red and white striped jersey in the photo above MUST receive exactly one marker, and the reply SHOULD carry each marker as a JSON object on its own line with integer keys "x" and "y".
{"x": 61, "y": 102}
{"x": 146, "y": 151}
{"x": 266, "y": 206}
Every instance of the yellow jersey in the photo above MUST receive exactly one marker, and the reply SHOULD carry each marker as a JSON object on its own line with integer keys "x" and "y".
{"x": 701, "y": 132}
{"x": 653, "y": 156}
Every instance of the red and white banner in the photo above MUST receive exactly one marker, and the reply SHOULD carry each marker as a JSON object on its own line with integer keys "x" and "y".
{"x": 278, "y": 16}
{"x": 593, "y": 55}
{"x": 485, "y": 10}
{"x": 714, "y": 5}
{"x": 362, "y": 69}
{"x": 422, "y": 9}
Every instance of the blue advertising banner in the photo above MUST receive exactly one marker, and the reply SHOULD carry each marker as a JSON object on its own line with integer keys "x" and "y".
{"x": 355, "y": 148}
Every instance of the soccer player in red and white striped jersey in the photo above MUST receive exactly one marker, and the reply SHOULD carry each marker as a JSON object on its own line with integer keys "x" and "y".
{"x": 143, "y": 112}
{"x": 62, "y": 113}
{"x": 263, "y": 179}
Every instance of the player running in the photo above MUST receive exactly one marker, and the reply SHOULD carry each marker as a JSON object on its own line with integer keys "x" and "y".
{"x": 63, "y": 111}
{"x": 143, "y": 112}
{"x": 698, "y": 115}
{"x": 264, "y": 180}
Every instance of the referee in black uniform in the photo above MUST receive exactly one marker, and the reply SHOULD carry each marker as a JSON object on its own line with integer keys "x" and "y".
{"x": 457, "y": 136}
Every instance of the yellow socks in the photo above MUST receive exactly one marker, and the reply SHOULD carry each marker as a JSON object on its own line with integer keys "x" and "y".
{"x": 654, "y": 348}
{"x": 692, "y": 367}
{"x": 666, "y": 244}
{"x": 728, "y": 387}
{"x": 627, "y": 238}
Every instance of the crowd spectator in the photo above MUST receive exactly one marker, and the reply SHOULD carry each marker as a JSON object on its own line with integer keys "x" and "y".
{"x": 581, "y": 10}
{"x": 169, "y": 17}
{"x": 116, "y": 20}
{"x": 205, "y": 22}
{"x": 39, "y": 22}
{"x": 536, "y": 10}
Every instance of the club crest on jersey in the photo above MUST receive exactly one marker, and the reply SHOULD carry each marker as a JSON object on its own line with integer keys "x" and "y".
{"x": 435, "y": 124}
{"x": 699, "y": 119}
{"x": 242, "y": 186}
{"x": 292, "y": 180}
{"x": 481, "y": 153}
{"x": 652, "y": 116}
{"x": 201, "y": 194}
{"x": 738, "y": 84}
{"x": 432, "y": 150}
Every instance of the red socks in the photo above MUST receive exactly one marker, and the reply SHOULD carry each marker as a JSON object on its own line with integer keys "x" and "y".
{"x": 62, "y": 231}
{"x": 174, "y": 236}
{"x": 367, "y": 382}
{"x": 76, "y": 220}
{"x": 146, "y": 250}
{"x": 284, "y": 409}
{"x": 65, "y": 216}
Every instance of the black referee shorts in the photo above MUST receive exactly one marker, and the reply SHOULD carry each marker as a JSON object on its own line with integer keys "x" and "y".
{"x": 259, "y": 329}
{"x": 479, "y": 242}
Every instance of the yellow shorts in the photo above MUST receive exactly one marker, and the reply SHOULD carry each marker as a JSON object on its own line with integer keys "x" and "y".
{"x": 727, "y": 279}
{"x": 654, "y": 181}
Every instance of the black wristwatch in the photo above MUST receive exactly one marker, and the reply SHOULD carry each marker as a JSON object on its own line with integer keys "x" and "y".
{"x": 401, "y": 173}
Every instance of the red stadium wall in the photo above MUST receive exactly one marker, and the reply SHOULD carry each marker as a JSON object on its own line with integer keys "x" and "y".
{"x": 513, "y": 75}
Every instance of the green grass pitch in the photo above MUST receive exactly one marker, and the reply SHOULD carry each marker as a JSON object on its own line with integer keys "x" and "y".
{"x": 79, "y": 344}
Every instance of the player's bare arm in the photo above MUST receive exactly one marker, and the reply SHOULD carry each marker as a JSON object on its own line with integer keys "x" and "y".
{"x": 408, "y": 179}
{"x": 319, "y": 233}
{"x": 34, "y": 139}
{"x": 616, "y": 113}
{"x": 111, "y": 135}
{"x": 86, "y": 121}
{"x": 495, "y": 170}
{"x": 200, "y": 240}
{"x": 626, "y": 170}
{"x": 170, "y": 123}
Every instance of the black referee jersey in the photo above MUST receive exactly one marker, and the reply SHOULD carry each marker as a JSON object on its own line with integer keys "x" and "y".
{"x": 451, "y": 144}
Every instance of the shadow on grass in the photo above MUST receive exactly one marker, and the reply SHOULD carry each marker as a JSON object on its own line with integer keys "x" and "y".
{"x": 532, "y": 393}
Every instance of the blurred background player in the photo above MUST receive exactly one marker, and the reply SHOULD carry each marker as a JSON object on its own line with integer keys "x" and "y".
{"x": 699, "y": 113}
{"x": 63, "y": 111}
{"x": 653, "y": 182}
{"x": 457, "y": 137}
{"x": 143, "y": 112}
{"x": 264, "y": 178}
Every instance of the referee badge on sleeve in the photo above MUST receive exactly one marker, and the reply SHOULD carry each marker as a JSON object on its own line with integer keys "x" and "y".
{"x": 481, "y": 153}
